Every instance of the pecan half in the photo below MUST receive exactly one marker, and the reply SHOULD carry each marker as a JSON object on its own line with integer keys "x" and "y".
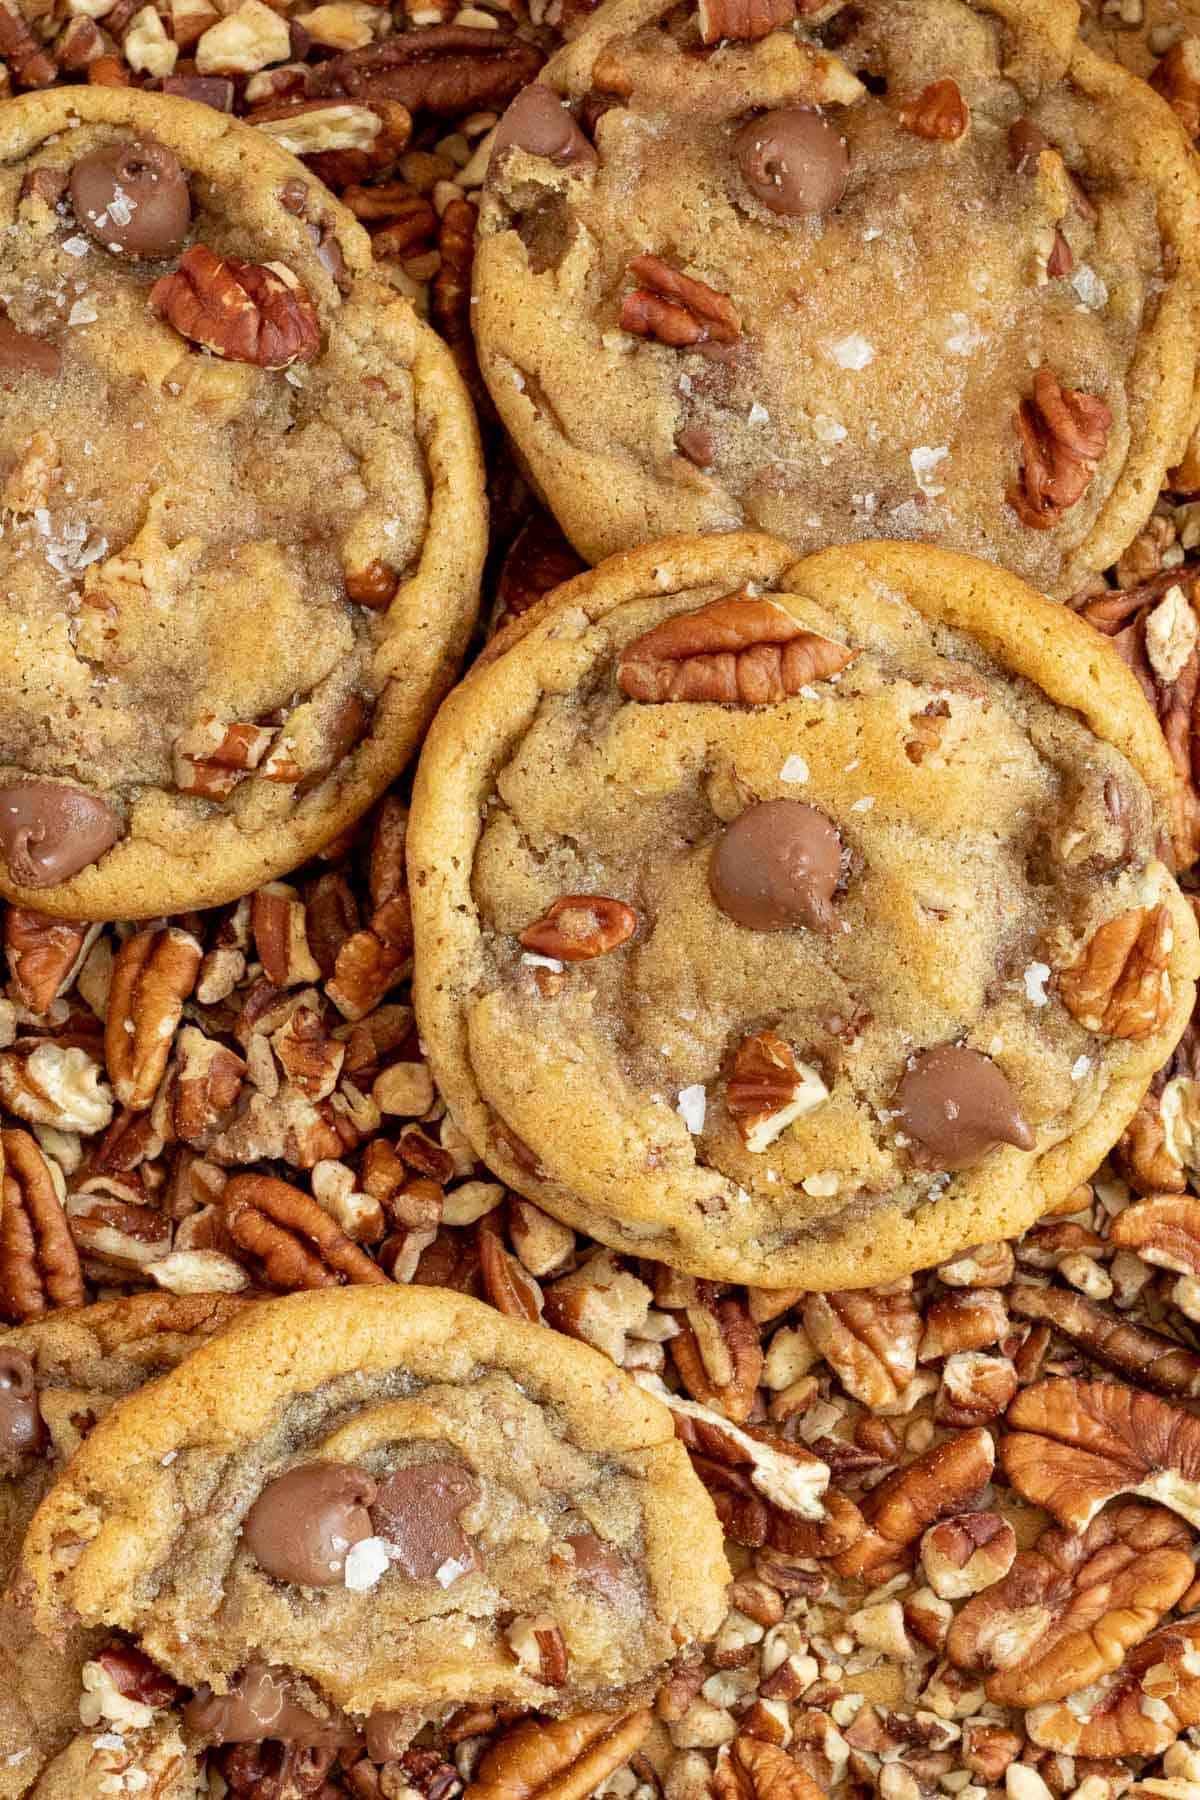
{"x": 1138, "y": 1711}
{"x": 1120, "y": 985}
{"x": 51, "y": 1086}
{"x": 718, "y": 1357}
{"x": 365, "y": 970}
{"x": 1131, "y": 1349}
{"x": 296, "y": 1241}
{"x": 214, "y": 755}
{"x": 248, "y": 312}
{"x": 448, "y": 70}
{"x": 768, "y": 1090}
{"x": 963, "y": 1321}
{"x": 1070, "y": 1607}
{"x": 39, "y": 1264}
{"x": 1075, "y": 1445}
{"x": 278, "y": 921}
{"x": 1145, "y": 1154}
{"x": 154, "y": 972}
{"x": 749, "y": 1769}
{"x": 742, "y": 20}
{"x": 509, "y": 1286}
{"x": 941, "y": 1481}
{"x": 869, "y": 1339}
{"x": 43, "y": 955}
{"x": 558, "y": 1759}
{"x": 974, "y": 1388}
{"x": 675, "y": 308}
{"x": 938, "y": 112}
{"x": 737, "y": 651}
{"x": 1063, "y": 433}
{"x": 580, "y": 926}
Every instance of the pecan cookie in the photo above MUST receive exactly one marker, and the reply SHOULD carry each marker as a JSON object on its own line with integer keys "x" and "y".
{"x": 59, "y": 1375}
{"x": 360, "y": 1509}
{"x": 243, "y": 516}
{"x": 796, "y": 923}
{"x": 912, "y": 269}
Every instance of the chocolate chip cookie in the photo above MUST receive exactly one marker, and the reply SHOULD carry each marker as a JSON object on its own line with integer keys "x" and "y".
{"x": 242, "y": 507}
{"x": 58, "y": 1375}
{"x": 359, "y": 1509}
{"x": 916, "y": 269}
{"x": 796, "y": 923}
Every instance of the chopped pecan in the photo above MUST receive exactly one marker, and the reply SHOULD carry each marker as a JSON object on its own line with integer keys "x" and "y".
{"x": 768, "y": 1090}
{"x": 248, "y": 312}
{"x": 736, "y": 651}
{"x": 297, "y": 1242}
{"x": 154, "y": 972}
{"x": 938, "y": 111}
{"x": 675, "y": 308}
{"x": 539, "y": 1646}
{"x": 749, "y": 1769}
{"x": 39, "y": 1265}
{"x": 212, "y": 756}
{"x": 450, "y": 294}
{"x": 43, "y": 955}
{"x": 280, "y": 936}
{"x": 963, "y": 1321}
{"x": 135, "y": 1677}
{"x": 962, "y": 1555}
{"x": 112, "y": 1224}
{"x": 743, "y": 20}
{"x": 944, "y": 1479}
{"x": 310, "y": 1059}
{"x": 365, "y": 970}
{"x": 974, "y": 1388}
{"x": 558, "y": 1759}
{"x": 1120, "y": 985}
{"x": 1075, "y": 1445}
{"x": 30, "y": 65}
{"x": 600, "y": 1303}
{"x": 509, "y": 1286}
{"x": 1063, "y": 434}
{"x": 1176, "y": 77}
{"x": 538, "y": 560}
{"x": 718, "y": 1357}
{"x": 1137, "y": 1711}
{"x": 448, "y": 70}
{"x": 1163, "y": 1230}
{"x": 869, "y": 1338}
{"x": 1144, "y": 1154}
{"x": 1131, "y": 1349}
{"x": 580, "y": 926}
{"x": 51, "y": 1085}
{"x": 208, "y": 1081}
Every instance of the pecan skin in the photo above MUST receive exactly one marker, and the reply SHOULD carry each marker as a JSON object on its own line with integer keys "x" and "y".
{"x": 675, "y": 308}
{"x": 1163, "y": 1230}
{"x": 736, "y": 651}
{"x": 718, "y": 1357}
{"x": 39, "y": 1264}
{"x": 154, "y": 972}
{"x": 869, "y": 1338}
{"x": 1063, "y": 433}
{"x": 538, "y": 560}
{"x": 1119, "y": 986}
{"x": 938, "y": 112}
{"x": 1120, "y": 1723}
{"x": 246, "y": 312}
{"x": 579, "y": 927}
{"x": 297, "y": 1242}
{"x": 509, "y": 1286}
{"x": 558, "y": 1759}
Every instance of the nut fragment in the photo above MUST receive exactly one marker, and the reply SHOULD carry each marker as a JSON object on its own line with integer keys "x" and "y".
{"x": 280, "y": 936}
{"x": 938, "y": 111}
{"x": 56, "y": 1087}
{"x": 298, "y": 1243}
{"x": 769, "y": 1090}
{"x": 718, "y": 1356}
{"x": 1146, "y": 1356}
{"x": 540, "y": 1648}
{"x": 736, "y": 651}
{"x": 1063, "y": 434}
{"x": 558, "y": 1759}
{"x": 214, "y": 755}
{"x": 43, "y": 955}
{"x": 944, "y": 1479}
{"x": 742, "y": 20}
{"x": 1176, "y": 77}
{"x": 750, "y": 1769}
{"x": 1120, "y": 985}
{"x": 974, "y": 1389}
{"x": 1163, "y": 1230}
{"x": 675, "y": 308}
{"x": 869, "y": 1338}
{"x": 39, "y": 1265}
{"x": 154, "y": 972}
{"x": 580, "y": 926}
{"x": 248, "y": 312}
{"x": 960, "y": 1556}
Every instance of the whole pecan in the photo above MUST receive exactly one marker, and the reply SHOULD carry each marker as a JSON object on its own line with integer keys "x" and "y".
{"x": 42, "y": 954}
{"x": 558, "y": 1759}
{"x": 944, "y": 1479}
{"x": 675, "y": 308}
{"x": 154, "y": 972}
{"x": 749, "y": 1769}
{"x": 448, "y": 70}
{"x": 1070, "y": 1607}
{"x": 743, "y": 20}
{"x": 39, "y": 1264}
{"x": 579, "y": 927}
{"x": 297, "y": 1242}
{"x": 718, "y": 1357}
{"x": 1063, "y": 434}
{"x": 1137, "y": 1711}
{"x": 1119, "y": 986}
{"x": 768, "y": 1090}
{"x": 938, "y": 111}
{"x": 1112, "y": 1339}
{"x": 869, "y": 1339}
{"x": 737, "y": 651}
{"x": 248, "y": 312}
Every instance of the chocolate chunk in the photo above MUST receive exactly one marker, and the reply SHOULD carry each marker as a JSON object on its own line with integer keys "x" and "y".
{"x": 257, "y": 1707}
{"x": 329, "y": 252}
{"x": 389, "y": 1734}
{"x": 21, "y": 1430}
{"x": 293, "y": 195}
{"x": 538, "y": 123}
{"x": 417, "y": 1510}
{"x": 793, "y": 160}
{"x": 697, "y": 445}
{"x": 26, "y": 354}
{"x": 1025, "y": 145}
{"x": 208, "y": 90}
{"x": 957, "y": 1105}
{"x": 303, "y": 1523}
{"x": 132, "y": 198}
{"x": 776, "y": 868}
{"x": 49, "y": 832}
{"x": 599, "y": 1565}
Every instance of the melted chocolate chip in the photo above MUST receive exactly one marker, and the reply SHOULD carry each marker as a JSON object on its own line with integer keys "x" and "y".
{"x": 599, "y": 1565}
{"x": 389, "y": 1734}
{"x": 257, "y": 1707}
{"x": 49, "y": 832}
{"x": 538, "y": 123}
{"x": 697, "y": 445}
{"x": 1025, "y": 145}
{"x": 25, "y": 354}
{"x": 417, "y": 1510}
{"x": 793, "y": 160}
{"x": 132, "y": 198}
{"x": 776, "y": 868}
{"x": 21, "y": 1430}
{"x": 303, "y": 1523}
{"x": 957, "y": 1105}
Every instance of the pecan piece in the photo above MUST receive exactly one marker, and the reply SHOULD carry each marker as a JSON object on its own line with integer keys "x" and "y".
{"x": 750, "y": 1769}
{"x": 278, "y": 922}
{"x": 248, "y": 312}
{"x": 1070, "y": 1607}
{"x": 1063, "y": 434}
{"x": 742, "y": 20}
{"x": 580, "y": 926}
{"x": 1138, "y": 1711}
{"x": 1146, "y": 1154}
{"x": 718, "y": 1357}
{"x": 509, "y": 1286}
{"x": 1163, "y": 1230}
{"x": 154, "y": 972}
{"x": 208, "y": 1081}
{"x": 558, "y": 1759}
{"x": 30, "y": 65}
{"x": 53, "y": 1086}
{"x": 737, "y": 651}
{"x": 1176, "y": 77}
{"x": 768, "y": 1090}
{"x": 962, "y": 1555}
{"x": 941, "y": 1481}
{"x": 39, "y": 1264}
{"x": 675, "y": 308}
{"x": 43, "y": 955}
{"x": 869, "y": 1338}
{"x": 1075, "y": 1445}
{"x": 1131, "y": 1349}
{"x": 538, "y": 560}
{"x": 938, "y": 112}
{"x": 212, "y": 756}
{"x": 448, "y": 70}
{"x": 296, "y": 1241}
{"x": 1120, "y": 985}
{"x": 963, "y": 1321}
{"x": 540, "y": 1648}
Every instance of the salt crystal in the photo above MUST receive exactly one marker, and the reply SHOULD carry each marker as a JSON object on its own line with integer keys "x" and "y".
{"x": 794, "y": 769}
{"x": 1080, "y": 1067}
{"x": 451, "y": 1569}
{"x": 863, "y": 805}
{"x": 108, "y": 1740}
{"x": 533, "y": 961}
{"x": 1035, "y": 978}
{"x": 1091, "y": 290}
{"x": 121, "y": 207}
{"x": 759, "y": 415}
{"x": 965, "y": 337}
{"x": 82, "y": 313}
{"x": 366, "y": 1563}
{"x": 924, "y": 461}
{"x": 76, "y": 246}
{"x": 852, "y": 352}
{"x": 828, "y": 430}
{"x": 691, "y": 1107}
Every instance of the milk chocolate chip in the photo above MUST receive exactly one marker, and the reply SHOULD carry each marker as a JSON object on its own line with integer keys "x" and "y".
{"x": 21, "y": 1430}
{"x": 793, "y": 160}
{"x": 599, "y": 1565}
{"x": 389, "y": 1734}
{"x": 132, "y": 198}
{"x": 257, "y": 1707}
{"x": 48, "y": 831}
{"x": 417, "y": 1510}
{"x": 303, "y": 1523}
{"x": 1025, "y": 145}
{"x": 538, "y": 123}
{"x": 957, "y": 1105}
{"x": 776, "y": 867}
{"x": 24, "y": 354}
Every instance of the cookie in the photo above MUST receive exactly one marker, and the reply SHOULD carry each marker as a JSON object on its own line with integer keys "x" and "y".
{"x": 796, "y": 923}
{"x": 243, "y": 513}
{"x": 57, "y": 1374}
{"x": 912, "y": 269}
{"x": 363, "y": 1508}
